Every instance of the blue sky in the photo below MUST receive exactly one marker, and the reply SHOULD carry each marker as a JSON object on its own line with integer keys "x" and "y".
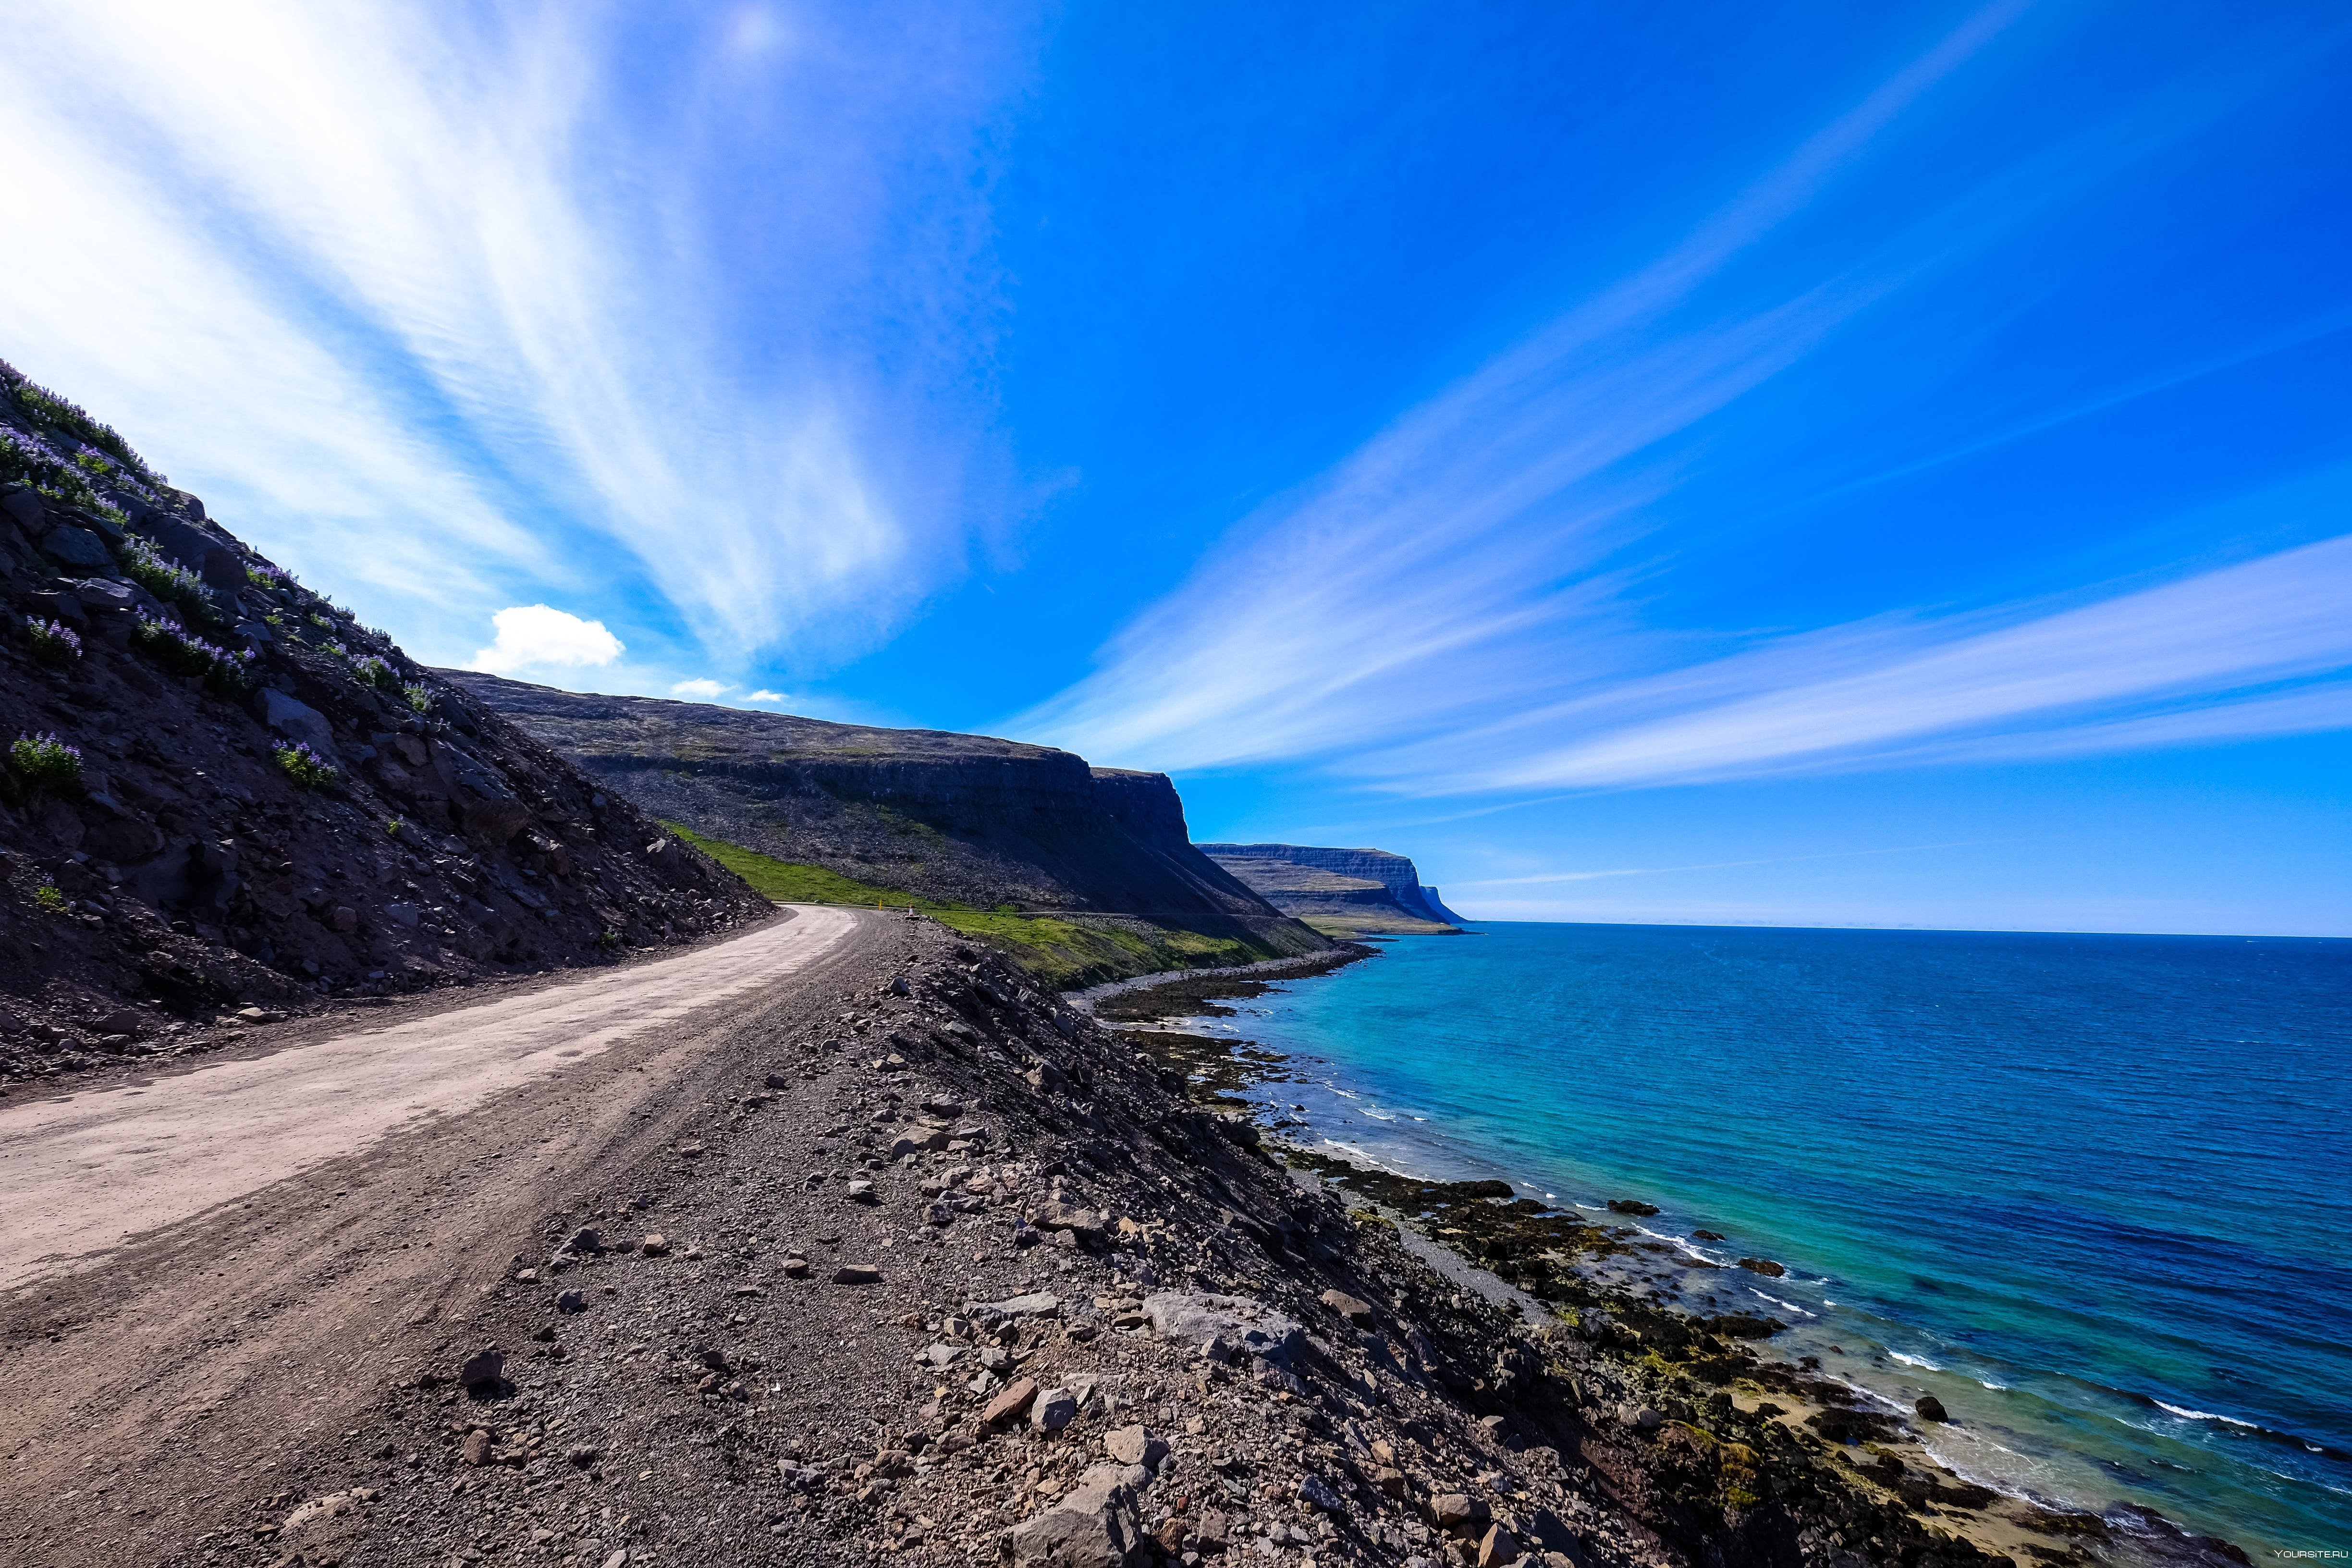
{"x": 1823, "y": 465}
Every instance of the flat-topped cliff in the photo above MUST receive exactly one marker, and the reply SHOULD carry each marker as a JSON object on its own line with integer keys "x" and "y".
{"x": 964, "y": 820}
{"x": 1346, "y": 892}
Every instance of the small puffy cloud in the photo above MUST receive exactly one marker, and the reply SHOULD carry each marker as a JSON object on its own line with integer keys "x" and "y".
{"x": 764, "y": 695}
{"x": 531, "y": 637}
{"x": 703, "y": 686}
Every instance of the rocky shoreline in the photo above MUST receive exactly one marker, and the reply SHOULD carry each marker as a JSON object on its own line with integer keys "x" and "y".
{"x": 1610, "y": 1286}
{"x": 916, "y": 1264}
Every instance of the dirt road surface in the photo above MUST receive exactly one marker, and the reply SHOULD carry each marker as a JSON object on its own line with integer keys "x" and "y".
{"x": 208, "y": 1274}
{"x": 84, "y": 1171}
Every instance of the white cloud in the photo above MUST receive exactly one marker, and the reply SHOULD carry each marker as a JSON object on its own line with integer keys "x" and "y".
{"x": 764, "y": 695}
{"x": 703, "y": 686}
{"x": 448, "y": 291}
{"x": 2279, "y": 618}
{"x": 1462, "y": 537}
{"x": 536, "y": 636}
{"x": 1448, "y": 609}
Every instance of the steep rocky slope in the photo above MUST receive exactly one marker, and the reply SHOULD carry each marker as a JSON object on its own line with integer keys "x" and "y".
{"x": 1094, "y": 864}
{"x": 919, "y": 1268}
{"x": 224, "y": 793}
{"x": 1340, "y": 892}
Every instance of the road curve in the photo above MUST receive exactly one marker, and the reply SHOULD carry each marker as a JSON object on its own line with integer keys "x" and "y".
{"x": 85, "y": 1172}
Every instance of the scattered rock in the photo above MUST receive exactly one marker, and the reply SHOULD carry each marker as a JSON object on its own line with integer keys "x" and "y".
{"x": 1708, "y": 1236}
{"x": 1052, "y": 1410}
{"x": 1931, "y": 1408}
{"x": 1633, "y": 1206}
{"x": 333, "y": 1506}
{"x": 861, "y": 1192}
{"x": 1317, "y": 1492}
{"x": 1241, "y": 1323}
{"x": 1136, "y": 1446}
{"x": 1355, "y": 1308}
{"x": 1037, "y": 1304}
{"x": 1764, "y": 1266}
{"x": 1457, "y": 1511}
{"x": 1094, "y": 1526}
{"x": 1498, "y": 1547}
{"x": 857, "y": 1274}
{"x": 655, "y": 1245}
{"x": 482, "y": 1369}
{"x": 475, "y": 1449}
{"x": 572, "y": 1301}
{"x": 1011, "y": 1401}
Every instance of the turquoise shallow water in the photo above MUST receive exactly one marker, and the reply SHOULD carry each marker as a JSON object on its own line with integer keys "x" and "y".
{"x": 2095, "y": 1193}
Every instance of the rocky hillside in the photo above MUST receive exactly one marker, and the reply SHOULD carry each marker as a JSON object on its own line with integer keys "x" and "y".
{"x": 1000, "y": 1296}
{"x": 1086, "y": 874}
{"x": 1340, "y": 892}
{"x": 223, "y": 794}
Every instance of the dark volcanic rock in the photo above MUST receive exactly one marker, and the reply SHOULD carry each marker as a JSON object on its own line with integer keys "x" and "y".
{"x": 187, "y": 873}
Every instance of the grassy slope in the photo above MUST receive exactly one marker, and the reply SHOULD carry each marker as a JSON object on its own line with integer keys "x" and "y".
{"x": 1064, "y": 953}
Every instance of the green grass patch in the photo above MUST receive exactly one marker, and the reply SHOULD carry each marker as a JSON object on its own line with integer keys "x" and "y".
{"x": 1064, "y": 953}
{"x": 784, "y": 882}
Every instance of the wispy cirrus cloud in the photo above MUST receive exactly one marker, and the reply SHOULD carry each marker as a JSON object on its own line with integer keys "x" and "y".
{"x": 1454, "y": 607}
{"x": 489, "y": 304}
{"x": 2219, "y": 641}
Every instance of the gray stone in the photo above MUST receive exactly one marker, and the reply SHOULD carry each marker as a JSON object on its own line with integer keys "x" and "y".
{"x": 1054, "y": 1409}
{"x": 1457, "y": 1511}
{"x": 572, "y": 1301}
{"x": 25, "y": 506}
{"x": 1087, "y": 1223}
{"x": 943, "y": 1354}
{"x": 862, "y": 1192}
{"x": 1242, "y": 1324}
{"x": 857, "y": 1274}
{"x": 1355, "y": 1308}
{"x": 1499, "y": 1547}
{"x": 1037, "y": 1304}
{"x": 78, "y": 547}
{"x": 296, "y": 721}
{"x": 1316, "y": 1492}
{"x": 1136, "y": 1446}
{"x": 483, "y": 1368}
{"x": 402, "y": 914}
{"x": 1095, "y": 1526}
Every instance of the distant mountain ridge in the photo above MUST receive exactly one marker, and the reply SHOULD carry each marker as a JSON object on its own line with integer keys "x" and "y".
{"x": 972, "y": 820}
{"x": 1338, "y": 892}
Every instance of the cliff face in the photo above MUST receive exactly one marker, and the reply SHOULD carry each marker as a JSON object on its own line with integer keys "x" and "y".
{"x": 1338, "y": 892}
{"x": 168, "y": 853}
{"x": 966, "y": 819}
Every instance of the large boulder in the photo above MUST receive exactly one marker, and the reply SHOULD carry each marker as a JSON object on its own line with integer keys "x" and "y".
{"x": 296, "y": 720}
{"x": 1227, "y": 1326}
{"x": 1095, "y": 1526}
{"x": 78, "y": 547}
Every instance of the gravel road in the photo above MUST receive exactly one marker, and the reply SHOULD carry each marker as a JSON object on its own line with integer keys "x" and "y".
{"x": 86, "y": 1170}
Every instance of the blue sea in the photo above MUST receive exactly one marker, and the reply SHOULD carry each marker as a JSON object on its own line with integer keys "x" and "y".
{"x": 2095, "y": 1193}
